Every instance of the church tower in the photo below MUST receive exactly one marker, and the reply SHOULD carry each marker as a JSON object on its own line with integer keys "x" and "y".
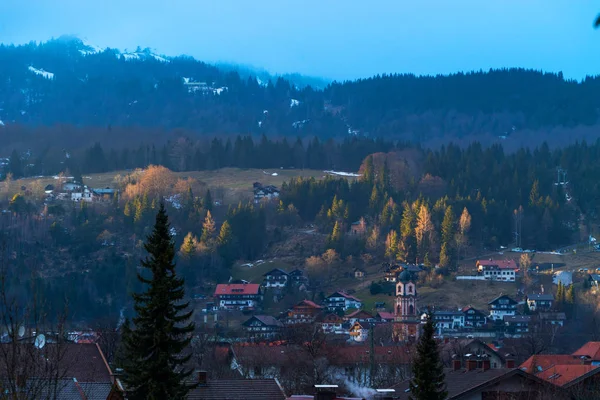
{"x": 407, "y": 321}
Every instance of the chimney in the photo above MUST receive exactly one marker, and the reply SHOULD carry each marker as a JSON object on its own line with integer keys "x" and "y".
{"x": 471, "y": 365}
{"x": 201, "y": 378}
{"x": 456, "y": 365}
{"x": 510, "y": 363}
{"x": 326, "y": 392}
{"x": 485, "y": 365}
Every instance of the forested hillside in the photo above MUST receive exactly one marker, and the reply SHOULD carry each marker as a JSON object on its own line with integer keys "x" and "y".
{"x": 66, "y": 81}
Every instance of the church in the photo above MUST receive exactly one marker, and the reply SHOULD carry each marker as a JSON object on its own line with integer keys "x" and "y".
{"x": 407, "y": 323}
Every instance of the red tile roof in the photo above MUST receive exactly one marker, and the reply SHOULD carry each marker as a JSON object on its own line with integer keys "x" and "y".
{"x": 308, "y": 303}
{"x": 237, "y": 288}
{"x": 590, "y": 349}
{"x": 386, "y": 315}
{"x": 502, "y": 264}
{"x": 359, "y": 314}
{"x": 345, "y": 295}
{"x": 563, "y": 374}
{"x": 541, "y": 362}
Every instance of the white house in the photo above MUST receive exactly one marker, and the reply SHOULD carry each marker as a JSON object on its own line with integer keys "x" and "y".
{"x": 341, "y": 301}
{"x": 501, "y": 307}
{"x": 86, "y": 195}
{"x": 276, "y": 278}
{"x": 447, "y": 319}
{"x": 498, "y": 270}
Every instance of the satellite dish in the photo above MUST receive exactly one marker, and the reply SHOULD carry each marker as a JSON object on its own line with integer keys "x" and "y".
{"x": 40, "y": 341}
{"x": 21, "y": 331}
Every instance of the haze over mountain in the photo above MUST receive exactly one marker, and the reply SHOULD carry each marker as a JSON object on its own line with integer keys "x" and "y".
{"x": 333, "y": 39}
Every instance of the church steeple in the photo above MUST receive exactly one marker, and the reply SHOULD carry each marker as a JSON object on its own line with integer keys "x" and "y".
{"x": 407, "y": 317}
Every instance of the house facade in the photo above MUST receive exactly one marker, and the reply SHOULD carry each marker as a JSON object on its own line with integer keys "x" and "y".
{"x": 341, "y": 301}
{"x": 238, "y": 296}
{"x": 276, "y": 278}
{"x": 498, "y": 270}
{"x": 502, "y": 306}
{"x": 304, "y": 312}
{"x": 473, "y": 317}
{"x": 262, "y": 327}
{"x": 540, "y": 302}
{"x": 517, "y": 325}
{"x": 332, "y": 323}
{"x": 359, "y": 332}
{"x": 447, "y": 319}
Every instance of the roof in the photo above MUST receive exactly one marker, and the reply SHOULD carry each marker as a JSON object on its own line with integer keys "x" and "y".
{"x": 309, "y": 397}
{"x": 446, "y": 312}
{"x": 467, "y": 346}
{"x": 237, "y": 288}
{"x": 590, "y": 349}
{"x": 276, "y": 271}
{"x": 344, "y": 295}
{"x": 385, "y": 315}
{"x": 517, "y": 318}
{"x": 552, "y": 316}
{"x": 503, "y": 296}
{"x": 361, "y": 354}
{"x": 296, "y": 272}
{"x": 265, "y": 319}
{"x": 467, "y": 308}
{"x": 308, "y": 303}
{"x": 460, "y": 383}
{"x": 595, "y": 277}
{"x": 405, "y": 276}
{"x": 359, "y": 314}
{"x": 542, "y": 297}
{"x": 501, "y": 264}
{"x": 561, "y": 375}
{"x": 66, "y": 389}
{"x": 542, "y": 362}
{"x": 238, "y": 389}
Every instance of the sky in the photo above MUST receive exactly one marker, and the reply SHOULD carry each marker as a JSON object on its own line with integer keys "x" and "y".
{"x": 330, "y": 38}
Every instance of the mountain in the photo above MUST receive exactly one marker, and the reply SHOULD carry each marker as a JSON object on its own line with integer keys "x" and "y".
{"x": 69, "y": 81}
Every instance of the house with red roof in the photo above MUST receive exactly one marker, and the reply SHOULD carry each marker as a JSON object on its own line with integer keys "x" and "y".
{"x": 304, "y": 312}
{"x": 341, "y": 301}
{"x": 498, "y": 270}
{"x": 238, "y": 296}
{"x": 332, "y": 323}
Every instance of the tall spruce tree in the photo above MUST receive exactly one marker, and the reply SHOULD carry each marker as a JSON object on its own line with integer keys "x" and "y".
{"x": 428, "y": 382}
{"x": 153, "y": 359}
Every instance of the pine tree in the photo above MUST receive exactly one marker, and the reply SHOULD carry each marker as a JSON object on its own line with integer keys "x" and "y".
{"x": 428, "y": 382}
{"x": 448, "y": 226}
{"x": 207, "y": 204}
{"x": 560, "y": 296}
{"x": 374, "y": 199}
{"x": 189, "y": 246}
{"x": 570, "y": 295}
{"x": 444, "y": 256}
{"x": 534, "y": 195}
{"x": 391, "y": 244}
{"x": 334, "y": 240}
{"x": 153, "y": 364}
{"x": 208, "y": 230}
{"x": 369, "y": 171}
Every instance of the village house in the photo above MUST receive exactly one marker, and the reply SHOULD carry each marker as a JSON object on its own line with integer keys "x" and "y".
{"x": 463, "y": 349}
{"x": 502, "y": 306}
{"x": 358, "y": 228}
{"x": 275, "y": 278}
{"x": 473, "y": 317}
{"x": 390, "y": 274}
{"x": 297, "y": 276}
{"x": 360, "y": 316}
{"x": 578, "y": 373}
{"x": 238, "y": 296}
{"x": 83, "y": 195}
{"x": 447, "y": 319}
{"x": 341, "y": 301}
{"x": 594, "y": 280}
{"x": 467, "y": 381}
{"x": 304, "y": 312}
{"x": 49, "y": 189}
{"x": 261, "y": 192}
{"x": 384, "y": 316}
{"x": 359, "y": 331}
{"x": 498, "y": 270}
{"x": 540, "y": 302}
{"x": 262, "y": 327}
{"x": 517, "y": 325}
{"x": 359, "y": 273}
{"x": 71, "y": 186}
{"x": 105, "y": 193}
{"x": 551, "y": 319}
{"x": 332, "y": 323}
{"x": 248, "y": 389}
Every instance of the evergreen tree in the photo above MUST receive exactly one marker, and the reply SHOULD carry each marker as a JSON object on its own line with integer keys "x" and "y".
{"x": 208, "y": 201}
{"x": 368, "y": 174}
{"x": 428, "y": 371}
{"x": 208, "y": 230}
{"x": 334, "y": 240}
{"x": 448, "y": 226}
{"x": 570, "y": 295}
{"x": 444, "y": 256}
{"x": 188, "y": 248}
{"x": 226, "y": 242}
{"x": 153, "y": 364}
{"x": 560, "y": 296}
{"x": 391, "y": 245}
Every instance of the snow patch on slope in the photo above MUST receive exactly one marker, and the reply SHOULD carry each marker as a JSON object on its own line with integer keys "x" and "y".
{"x": 294, "y": 103}
{"x": 339, "y": 173}
{"x": 41, "y": 72}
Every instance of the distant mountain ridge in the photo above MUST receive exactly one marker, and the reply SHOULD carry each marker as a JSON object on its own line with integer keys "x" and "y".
{"x": 70, "y": 81}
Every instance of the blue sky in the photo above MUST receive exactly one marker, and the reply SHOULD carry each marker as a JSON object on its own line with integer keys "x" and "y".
{"x": 331, "y": 38}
